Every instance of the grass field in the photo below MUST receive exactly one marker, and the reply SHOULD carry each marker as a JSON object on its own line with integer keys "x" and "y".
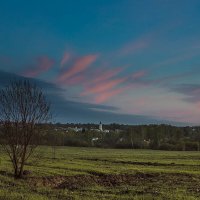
{"x": 92, "y": 173}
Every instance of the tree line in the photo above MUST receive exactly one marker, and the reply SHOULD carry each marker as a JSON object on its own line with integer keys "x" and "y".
{"x": 160, "y": 137}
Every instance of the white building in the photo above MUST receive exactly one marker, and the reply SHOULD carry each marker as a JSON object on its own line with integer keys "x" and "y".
{"x": 100, "y": 126}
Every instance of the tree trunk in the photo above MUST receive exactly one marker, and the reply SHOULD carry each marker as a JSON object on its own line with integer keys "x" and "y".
{"x": 132, "y": 140}
{"x": 16, "y": 172}
{"x": 15, "y": 167}
{"x": 21, "y": 170}
{"x": 22, "y": 163}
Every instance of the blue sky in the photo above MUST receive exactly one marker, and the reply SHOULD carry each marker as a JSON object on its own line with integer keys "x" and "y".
{"x": 140, "y": 57}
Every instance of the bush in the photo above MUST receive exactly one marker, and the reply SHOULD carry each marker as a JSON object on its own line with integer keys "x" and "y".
{"x": 167, "y": 146}
{"x": 191, "y": 146}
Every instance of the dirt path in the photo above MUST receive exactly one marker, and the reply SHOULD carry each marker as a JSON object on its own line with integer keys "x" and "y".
{"x": 190, "y": 182}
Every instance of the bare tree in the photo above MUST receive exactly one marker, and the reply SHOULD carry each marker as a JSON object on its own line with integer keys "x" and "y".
{"x": 23, "y": 107}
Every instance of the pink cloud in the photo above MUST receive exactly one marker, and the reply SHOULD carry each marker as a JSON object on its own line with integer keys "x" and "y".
{"x": 139, "y": 74}
{"x": 88, "y": 79}
{"x": 100, "y": 84}
{"x": 137, "y": 45}
{"x": 134, "y": 47}
{"x": 107, "y": 74}
{"x": 130, "y": 82}
{"x": 43, "y": 64}
{"x": 175, "y": 59}
{"x": 101, "y": 87}
{"x": 65, "y": 59}
{"x": 75, "y": 80}
{"x": 178, "y": 115}
{"x": 80, "y": 65}
{"x": 105, "y": 96}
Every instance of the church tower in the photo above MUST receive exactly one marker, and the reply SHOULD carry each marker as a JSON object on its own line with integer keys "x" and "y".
{"x": 100, "y": 126}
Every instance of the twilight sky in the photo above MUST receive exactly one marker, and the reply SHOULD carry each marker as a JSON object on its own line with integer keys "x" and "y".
{"x": 128, "y": 61}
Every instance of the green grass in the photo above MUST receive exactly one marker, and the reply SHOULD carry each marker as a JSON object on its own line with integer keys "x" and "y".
{"x": 92, "y": 173}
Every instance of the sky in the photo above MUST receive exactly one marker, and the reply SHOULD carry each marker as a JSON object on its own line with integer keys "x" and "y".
{"x": 127, "y": 61}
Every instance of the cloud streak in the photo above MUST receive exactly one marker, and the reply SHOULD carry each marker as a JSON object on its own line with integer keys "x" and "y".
{"x": 65, "y": 59}
{"x": 109, "y": 86}
{"x": 70, "y": 111}
{"x": 106, "y": 95}
{"x": 80, "y": 65}
{"x": 137, "y": 45}
{"x": 191, "y": 91}
{"x": 43, "y": 64}
{"x": 101, "y": 87}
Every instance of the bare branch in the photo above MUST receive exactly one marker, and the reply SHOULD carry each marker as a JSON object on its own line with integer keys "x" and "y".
{"x": 22, "y": 107}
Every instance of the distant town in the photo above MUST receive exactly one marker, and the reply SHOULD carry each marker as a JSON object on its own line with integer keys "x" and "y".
{"x": 78, "y": 128}
{"x": 164, "y": 137}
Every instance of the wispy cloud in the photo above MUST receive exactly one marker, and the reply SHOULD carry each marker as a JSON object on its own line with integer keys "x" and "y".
{"x": 80, "y": 112}
{"x": 74, "y": 80}
{"x": 191, "y": 92}
{"x": 99, "y": 83}
{"x": 103, "y": 86}
{"x": 135, "y": 46}
{"x": 139, "y": 74}
{"x": 176, "y": 59}
{"x": 43, "y": 64}
{"x": 106, "y": 95}
{"x": 109, "y": 86}
{"x": 80, "y": 65}
{"x": 65, "y": 59}
{"x": 138, "y": 44}
{"x": 106, "y": 74}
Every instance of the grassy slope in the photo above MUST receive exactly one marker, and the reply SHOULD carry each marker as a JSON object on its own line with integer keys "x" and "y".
{"x": 167, "y": 175}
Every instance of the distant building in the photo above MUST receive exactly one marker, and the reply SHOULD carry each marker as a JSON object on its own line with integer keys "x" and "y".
{"x": 95, "y": 129}
{"x": 76, "y": 129}
{"x": 147, "y": 142}
{"x": 94, "y": 140}
{"x": 118, "y": 130}
{"x": 100, "y": 126}
{"x": 100, "y": 129}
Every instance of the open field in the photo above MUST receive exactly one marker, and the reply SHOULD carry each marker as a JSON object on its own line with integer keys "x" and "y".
{"x": 92, "y": 173}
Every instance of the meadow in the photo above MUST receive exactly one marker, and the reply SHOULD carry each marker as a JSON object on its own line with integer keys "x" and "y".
{"x": 92, "y": 173}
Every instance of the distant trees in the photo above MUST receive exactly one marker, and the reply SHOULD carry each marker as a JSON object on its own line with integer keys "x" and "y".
{"x": 23, "y": 107}
{"x": 163, "y": 137}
